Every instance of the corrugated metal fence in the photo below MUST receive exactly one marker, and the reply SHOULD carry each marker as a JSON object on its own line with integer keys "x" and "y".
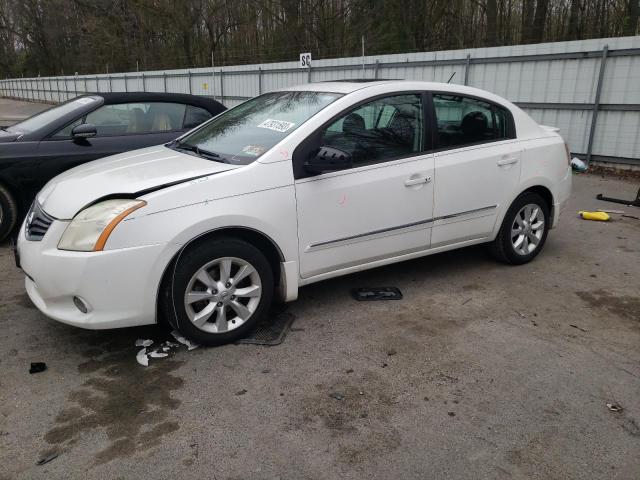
{"x": 590, "y": 89}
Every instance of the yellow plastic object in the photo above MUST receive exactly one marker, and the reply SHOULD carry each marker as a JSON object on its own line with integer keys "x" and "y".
{"x": 598, "y": 216}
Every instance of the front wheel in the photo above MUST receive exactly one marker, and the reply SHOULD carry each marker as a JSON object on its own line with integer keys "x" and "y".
{"x": 221, "y": 290}
{"x": 8, "y": 213}
{"x": 523, "y": 231}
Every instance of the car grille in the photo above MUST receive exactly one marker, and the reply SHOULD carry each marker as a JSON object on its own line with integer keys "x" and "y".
{"x": 38, "y": 222}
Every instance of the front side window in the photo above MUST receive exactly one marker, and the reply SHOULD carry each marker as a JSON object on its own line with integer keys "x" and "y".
{"x": 466, "y": 121}
{"x": 131, "y": 118}
{"x": 244, "y": 133}
{"x": 381, "y": 130}
{"x": 195, "y": 116}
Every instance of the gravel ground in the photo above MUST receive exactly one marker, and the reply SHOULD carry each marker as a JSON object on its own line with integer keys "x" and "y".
{"x": 481, "y": 371}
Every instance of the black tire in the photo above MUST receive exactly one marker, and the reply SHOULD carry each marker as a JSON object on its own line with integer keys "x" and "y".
{"x": 502, "y": 247}
{"x": 172, "y": 299}
{"x": 8, "y": 213}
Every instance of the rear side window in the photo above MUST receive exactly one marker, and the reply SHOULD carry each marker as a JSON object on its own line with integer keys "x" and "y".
{"x": 132, "y": 118}
{"x": 195, "y": 116}
{"x": 467, "y": 121}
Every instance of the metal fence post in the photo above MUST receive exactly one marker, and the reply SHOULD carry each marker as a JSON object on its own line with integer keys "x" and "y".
{"x": 164, "y": 81}
{"x": 259, "y": 80}
{"x": 376, "y": 69}
{"x": 309, "y": 74}
{"x": 144, "y": 85}
{"x": 97, "y": 85}
{"x": 221, "y": 85}
{"x": 466, "y": 69}
{"x": 596, "y": 103}
{"x": 85, "y": 84}
{"x": 189, "y": 79}
{"x": 110, "y": 84}
{"x": 213, "y": 82}
{"x": 126, "y": 87}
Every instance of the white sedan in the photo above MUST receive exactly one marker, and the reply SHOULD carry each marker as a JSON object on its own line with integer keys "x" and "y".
{"x": 287, "y": 189}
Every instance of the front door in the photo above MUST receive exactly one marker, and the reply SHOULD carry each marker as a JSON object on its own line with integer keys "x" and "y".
{"x": 380, "y": 208}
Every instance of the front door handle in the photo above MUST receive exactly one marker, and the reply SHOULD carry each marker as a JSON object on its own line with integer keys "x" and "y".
{"x": 507, "y": 160}
{"x": 416, "y": 180}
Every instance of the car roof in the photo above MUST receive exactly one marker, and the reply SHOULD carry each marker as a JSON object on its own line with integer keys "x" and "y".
{"x": 350, "y": 86}
{"x": 209, "y": 104}
{"x": 339, "y": 86}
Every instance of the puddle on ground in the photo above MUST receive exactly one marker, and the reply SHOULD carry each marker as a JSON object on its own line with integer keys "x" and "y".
{"x": 130, "y": 403}
{"x": 624, "y": 306}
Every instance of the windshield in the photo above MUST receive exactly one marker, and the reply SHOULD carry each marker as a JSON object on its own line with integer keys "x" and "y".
{"x": 242, "y": 134}
{"x": 40, "y": 120}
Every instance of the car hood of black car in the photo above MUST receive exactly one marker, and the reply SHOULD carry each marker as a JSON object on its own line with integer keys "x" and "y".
{"x": 6, "y": 137}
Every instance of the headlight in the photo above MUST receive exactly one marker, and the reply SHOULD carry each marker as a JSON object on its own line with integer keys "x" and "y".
{"x": 90, "y": 229}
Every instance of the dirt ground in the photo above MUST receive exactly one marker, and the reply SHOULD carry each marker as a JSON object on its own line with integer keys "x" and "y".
{"x": 481, "y": 371}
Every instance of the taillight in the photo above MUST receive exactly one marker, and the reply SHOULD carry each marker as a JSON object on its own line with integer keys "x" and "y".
{"x": 566, "y": 148}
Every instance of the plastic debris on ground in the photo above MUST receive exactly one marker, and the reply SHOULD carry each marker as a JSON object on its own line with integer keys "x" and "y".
{"x": 37, "y": 367}
{"x": 163, "y": 350}
{"x": 142, "y": 358}
{"x": 596, "y": 216}
{"x": 376, "y": 293}
{"x": 578, "y": 165}
{"x": 190, "y": 345}
{"x": 614, "y": 407}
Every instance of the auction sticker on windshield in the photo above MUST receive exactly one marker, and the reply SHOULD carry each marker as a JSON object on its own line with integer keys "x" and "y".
{"x": 277, "y": 125}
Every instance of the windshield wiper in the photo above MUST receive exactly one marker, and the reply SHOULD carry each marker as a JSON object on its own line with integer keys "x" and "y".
{"x": 197, "y": 150}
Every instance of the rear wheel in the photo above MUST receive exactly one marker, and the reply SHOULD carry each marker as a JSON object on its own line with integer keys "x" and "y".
{"x": 524, "y": 230}
{"x": 8, "y": 213}
{"x": 221, "y": 290}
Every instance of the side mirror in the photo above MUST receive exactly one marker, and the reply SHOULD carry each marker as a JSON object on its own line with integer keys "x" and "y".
{"x": 86, "y": 130}
{"x": 328, "y": 159}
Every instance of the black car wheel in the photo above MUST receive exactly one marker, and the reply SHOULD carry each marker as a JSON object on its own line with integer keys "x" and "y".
{"x": 524, "y": 230}
{"x": 218, "y": 291}
{"x": 8, "y": 213}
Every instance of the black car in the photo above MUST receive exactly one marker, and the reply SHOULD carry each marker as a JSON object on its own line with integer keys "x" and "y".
{"x": 84, "y": 129}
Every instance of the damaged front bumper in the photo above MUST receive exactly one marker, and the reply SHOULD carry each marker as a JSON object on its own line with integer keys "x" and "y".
{"x": 94, "y": 290}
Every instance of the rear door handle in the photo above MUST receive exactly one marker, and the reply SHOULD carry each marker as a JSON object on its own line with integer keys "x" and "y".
{"x": 416, "y": 180}
{"x": 507, "y": 160}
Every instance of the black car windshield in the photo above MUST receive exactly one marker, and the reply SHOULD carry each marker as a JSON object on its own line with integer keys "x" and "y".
{"x": 40, "y": 120}
{"x": 244, "y": 133}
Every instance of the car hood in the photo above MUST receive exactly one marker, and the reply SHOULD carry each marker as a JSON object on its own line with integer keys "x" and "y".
{"x": 6, "y": 136}
{"x": 128, "y": 174}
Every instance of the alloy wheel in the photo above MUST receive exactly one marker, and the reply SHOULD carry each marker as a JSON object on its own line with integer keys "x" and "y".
{"x": 223, "y": 294}
{"x": 527, "y": 229}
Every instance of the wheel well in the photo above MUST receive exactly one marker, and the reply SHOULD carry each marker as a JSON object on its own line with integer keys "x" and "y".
{"x": 259, "y": 240}
{"x": 545, "y": 193}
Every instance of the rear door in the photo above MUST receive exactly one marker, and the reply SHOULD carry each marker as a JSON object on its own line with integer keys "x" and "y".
{"x": 120, "y": 127}
{"x": 381, "y": 207}
{"x": 477, "y": 166}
